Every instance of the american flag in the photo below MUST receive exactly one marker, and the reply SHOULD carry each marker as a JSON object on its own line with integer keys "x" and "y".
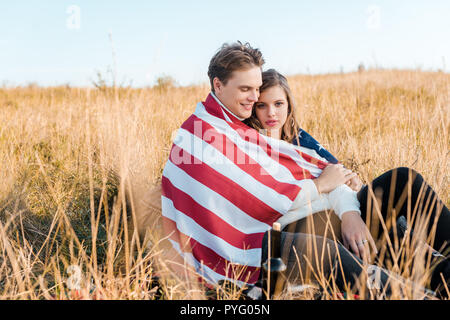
{"x": 224, "y": 185}
{"x": 307, "y": 141}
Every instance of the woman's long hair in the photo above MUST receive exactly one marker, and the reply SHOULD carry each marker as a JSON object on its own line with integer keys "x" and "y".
{"x": 289, "y": 131}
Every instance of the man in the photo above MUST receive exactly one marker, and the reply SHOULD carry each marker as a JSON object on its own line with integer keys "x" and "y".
{"x": 235, "y": 82}
{"x": 216, "y": 208}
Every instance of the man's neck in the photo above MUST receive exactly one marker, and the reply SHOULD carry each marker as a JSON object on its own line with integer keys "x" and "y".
{"x": 223, "y": 106}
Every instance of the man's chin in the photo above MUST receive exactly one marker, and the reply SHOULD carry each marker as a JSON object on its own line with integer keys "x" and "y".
{"x": 245, "y": 114}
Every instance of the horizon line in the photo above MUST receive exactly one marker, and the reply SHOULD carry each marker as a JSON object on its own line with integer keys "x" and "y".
{"x": 4, "y": 84}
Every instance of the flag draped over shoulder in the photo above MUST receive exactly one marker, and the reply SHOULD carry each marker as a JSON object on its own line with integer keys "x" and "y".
{"x": 305, "y": 140}
{"x": 223, "y": 186}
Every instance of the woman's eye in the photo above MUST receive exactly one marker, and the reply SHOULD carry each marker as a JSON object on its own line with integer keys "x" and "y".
{"x": 260, "y": 105}
{"x": 279, "y": 104}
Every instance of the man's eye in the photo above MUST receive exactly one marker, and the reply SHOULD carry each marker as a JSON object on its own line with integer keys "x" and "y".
{"x": 244, "y": 89}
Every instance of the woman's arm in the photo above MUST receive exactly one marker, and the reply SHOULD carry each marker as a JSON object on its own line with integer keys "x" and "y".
{"x": 343, "y": 199}
{"x": 355, "y": 183}
{"x": 333, "y": 176}
{"x": 355, "y": 233}
{"x": 313, "y": 195}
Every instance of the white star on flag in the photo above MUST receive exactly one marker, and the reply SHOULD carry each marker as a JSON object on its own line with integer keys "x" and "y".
{"x": 320, "y": 146}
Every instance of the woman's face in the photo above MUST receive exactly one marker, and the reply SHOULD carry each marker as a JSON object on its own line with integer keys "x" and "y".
{"x": 271, "y": 110}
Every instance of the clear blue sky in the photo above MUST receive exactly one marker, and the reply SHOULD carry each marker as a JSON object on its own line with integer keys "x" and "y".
{"x": 43, "y": 41}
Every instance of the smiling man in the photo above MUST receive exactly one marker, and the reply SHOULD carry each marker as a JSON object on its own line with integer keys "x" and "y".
{"x": 216, "y": 208}
{"x": 224, "y": 184}
{"x": 235, "y": 74}
{"x": 205, "y": 209}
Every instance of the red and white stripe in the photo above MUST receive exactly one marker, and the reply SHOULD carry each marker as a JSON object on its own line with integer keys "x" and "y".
{"x": 224, "y": 185}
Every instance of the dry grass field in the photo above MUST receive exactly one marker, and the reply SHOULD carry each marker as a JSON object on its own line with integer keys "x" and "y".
{"x": 77, "y": 165}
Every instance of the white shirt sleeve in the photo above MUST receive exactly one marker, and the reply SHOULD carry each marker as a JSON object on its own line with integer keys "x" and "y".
{"x": 343, "y": 199}
{"x": 309, "y": 201}
{"x": 308, "y": 193}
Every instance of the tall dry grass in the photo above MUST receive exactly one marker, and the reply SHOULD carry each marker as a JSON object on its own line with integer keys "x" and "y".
{"x": 77, "y": 165}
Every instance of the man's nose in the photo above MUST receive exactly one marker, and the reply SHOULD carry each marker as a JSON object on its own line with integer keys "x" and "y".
{"x": 254, "y": 95}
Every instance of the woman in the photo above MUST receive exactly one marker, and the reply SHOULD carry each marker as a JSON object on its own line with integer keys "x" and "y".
{"x": 274, "y": 114}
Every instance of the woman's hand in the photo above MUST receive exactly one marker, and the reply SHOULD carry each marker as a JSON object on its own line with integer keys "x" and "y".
{"x": 356, "y": 235}
{"x": 355, "y": 183}
{"x": 333, "y": 176}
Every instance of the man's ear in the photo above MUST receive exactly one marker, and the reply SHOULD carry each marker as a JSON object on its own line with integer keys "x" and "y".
{"x": 217, "y": 85}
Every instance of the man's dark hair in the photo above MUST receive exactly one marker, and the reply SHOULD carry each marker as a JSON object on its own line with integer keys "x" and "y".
{"x": 232, "y": 57}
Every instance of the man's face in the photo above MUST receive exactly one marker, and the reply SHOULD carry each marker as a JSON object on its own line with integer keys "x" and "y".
{"x": 240, "y": 92}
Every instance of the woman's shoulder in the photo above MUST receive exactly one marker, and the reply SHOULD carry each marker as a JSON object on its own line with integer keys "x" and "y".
{"x": 304, "y": 139}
